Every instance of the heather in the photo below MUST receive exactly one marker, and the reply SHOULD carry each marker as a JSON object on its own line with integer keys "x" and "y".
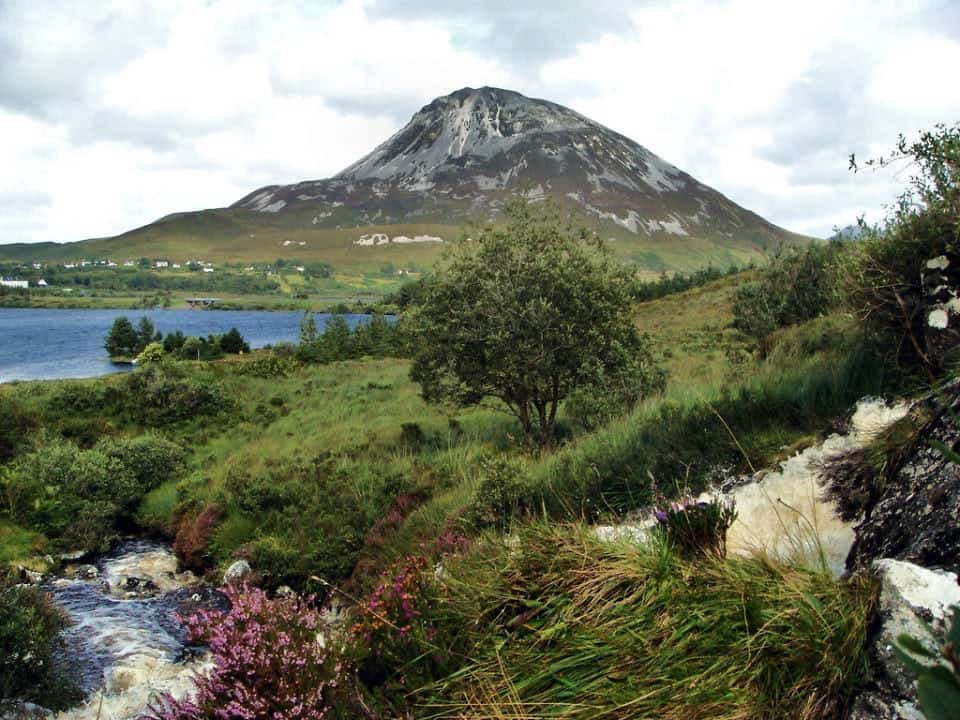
{"x": 268, "y": 661}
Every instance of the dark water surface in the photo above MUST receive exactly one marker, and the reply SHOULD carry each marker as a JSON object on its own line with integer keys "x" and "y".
{"x": 41, "y": 344}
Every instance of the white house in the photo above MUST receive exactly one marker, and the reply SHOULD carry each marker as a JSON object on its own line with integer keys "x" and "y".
{"x": 176, "y": 266}
{"x": 208, "y": 269}
{"x": 41, "y": 283}
{"x": 161, "y": 264}
{"x": 11, "y": 283}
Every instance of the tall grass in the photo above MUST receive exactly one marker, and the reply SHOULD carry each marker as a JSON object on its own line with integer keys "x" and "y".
{"x": 561, "y": 625}
{"x": 679, "y": 444}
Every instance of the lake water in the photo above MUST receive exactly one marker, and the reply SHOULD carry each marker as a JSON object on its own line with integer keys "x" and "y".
{"x": 39, "y": 344}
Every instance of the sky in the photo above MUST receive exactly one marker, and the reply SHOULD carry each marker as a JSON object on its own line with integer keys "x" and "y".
{"x": 115, "y": 113}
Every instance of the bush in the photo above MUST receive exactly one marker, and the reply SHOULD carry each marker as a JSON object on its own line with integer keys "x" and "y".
{"x": 192, "y": 542}
{"x": 268, "y": 365}
{"x": 152, "y": 459}
{"x": 795, "y": 287}
{"x": 29, "y": 625}
{"x": 500, "y": 496}
{"x": 269, "y": 661}
{"x": 158, "y": 395}
{"x": 152, "y": 353}
{"x": 16, "y": 424}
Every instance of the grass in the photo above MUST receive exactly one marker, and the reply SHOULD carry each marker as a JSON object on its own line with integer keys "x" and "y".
{"x": 557, "y": 624}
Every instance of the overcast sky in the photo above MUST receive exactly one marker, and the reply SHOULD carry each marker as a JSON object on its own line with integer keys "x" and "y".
{"x": 115, "y": 113}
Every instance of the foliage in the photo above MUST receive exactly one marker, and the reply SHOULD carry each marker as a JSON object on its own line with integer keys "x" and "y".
{"x": 525, "y": 314}
{"x": 152, "y": 459}
{"x": 696, "y": 528}
{"x": 644, "y": 291}
{"x": 563, "y": 624}
{"x": 268, "y": 364}
{"x": 158, "y": 395}
{"x": 268, "y": 661}
{"x": 612, "y": 394}
{"x": 393, "y": 634}
{"x": 122, "y": 340}
{"x": 795, "y": 287}
{"x": 376, "y": 338}
{"x": 883, "y": 275}
{"x": 16, "y": 424}
{"x": 499, "y": 497}
{"x": 152, "y": 353}
{"x": 192, "y": 541}
{"x": 938, "y": 682}
{"x": 29, "y": 625}
{"x": 232, "y": 342}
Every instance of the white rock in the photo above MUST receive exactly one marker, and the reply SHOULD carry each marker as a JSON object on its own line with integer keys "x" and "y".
{"x": 938, "y": 263}
{"x": 237, "y": 572}
{"x": 918, "y": 587}
{"x": 938, "y": 319}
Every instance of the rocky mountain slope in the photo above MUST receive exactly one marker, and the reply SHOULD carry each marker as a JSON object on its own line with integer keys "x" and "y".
{"x": 456, "y": 162}
{"x": 462, "y": 155}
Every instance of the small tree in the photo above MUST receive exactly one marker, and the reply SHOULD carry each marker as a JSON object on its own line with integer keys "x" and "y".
{"x": 122, "y": 340}
{"x": 146, "y": 333}
{"x": 524, "y": 314}
{"x": 232, "y": 342}
{"x": 308, "y": 327}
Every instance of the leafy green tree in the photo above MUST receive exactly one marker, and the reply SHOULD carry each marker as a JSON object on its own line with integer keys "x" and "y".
{"x": 146, "y": 333}
{"x": 883, "y": 275}
{"x": 232, "y": 342}
{"x": 122, "y": 340}
{"x": 308, "y": 327}
{"x": 152, "y": 353}
{"x": 525, "y": 314}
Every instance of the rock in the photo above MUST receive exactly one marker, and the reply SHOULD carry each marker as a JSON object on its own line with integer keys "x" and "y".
{"x": 912, "y": 598}
{"x": 17, "y": 710}
{"x": 29, "y": 576}
{"x": 916, "y": 515}
{"x": 86, "y": 572}
{"x": 72, "y": 556}
{"x": 237, "y": 572}
{"x": 285, "y": 591}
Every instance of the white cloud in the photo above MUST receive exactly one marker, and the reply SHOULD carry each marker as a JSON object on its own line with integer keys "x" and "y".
{"x": 115, "y": 114}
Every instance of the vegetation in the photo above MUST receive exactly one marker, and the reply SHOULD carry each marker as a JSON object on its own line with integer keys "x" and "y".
{"x": 526, "y": 314}
{"x": 938, "y": 677}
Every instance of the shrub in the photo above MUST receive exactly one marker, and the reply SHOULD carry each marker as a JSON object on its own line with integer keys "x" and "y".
{"x": 268, "y": 365}
{"x": 152, "y": 459}
{"x": 796, "y": 286}
{"x": 233, "y": 343}
{"x": 152, "y": 353}
{"x": 394, "y": 632}
{"x": 192, "y": 542}
{"x": 16, "y": 424}
{"x": 159, "y": 395}
{"x": 500, "y": 495}
{"x": 29, "y": 625}
{"x": 269, "y": 661}
{"x": 886, "y": 277}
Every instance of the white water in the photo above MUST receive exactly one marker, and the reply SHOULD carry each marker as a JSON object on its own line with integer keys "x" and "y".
{"x": 784, "y": 513}
{"x": 128, "y": 650}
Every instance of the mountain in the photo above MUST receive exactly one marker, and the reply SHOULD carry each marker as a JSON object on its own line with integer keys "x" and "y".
{"x": 457, "y": 161}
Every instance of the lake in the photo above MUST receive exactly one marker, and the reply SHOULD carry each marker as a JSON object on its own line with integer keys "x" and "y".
{"x": 41, "y": 344}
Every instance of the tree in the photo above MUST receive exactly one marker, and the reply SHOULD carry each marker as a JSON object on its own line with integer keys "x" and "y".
{"x": 525, "y": 314}
{"x": 122, "y": 340}
{"x": 146, "y": 333}
{"x": 308, "y": 327}
{"x": 232, "y": 342}
{"x": 902, "y": 274}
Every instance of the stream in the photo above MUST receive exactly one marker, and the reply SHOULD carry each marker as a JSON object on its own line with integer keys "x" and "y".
{"x": 125, "y": 646}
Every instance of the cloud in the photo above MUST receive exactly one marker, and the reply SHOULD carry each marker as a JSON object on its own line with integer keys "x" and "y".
{"x": 114, "y": 113}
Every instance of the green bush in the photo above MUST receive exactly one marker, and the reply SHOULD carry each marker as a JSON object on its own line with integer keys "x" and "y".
{"x": 16, "y": 424}
{"x": 500, "y": 496}
{"x": 795, "y": 287}
{"x": 151, "y": 459}
{"x": 158, "y": 395}
{"x": 29, "y": 625}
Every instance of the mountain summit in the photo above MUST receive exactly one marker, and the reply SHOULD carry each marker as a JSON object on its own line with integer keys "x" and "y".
{"x": 463, "y": 154}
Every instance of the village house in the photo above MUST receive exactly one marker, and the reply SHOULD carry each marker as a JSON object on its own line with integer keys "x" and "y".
{"x": 11, "y": 283}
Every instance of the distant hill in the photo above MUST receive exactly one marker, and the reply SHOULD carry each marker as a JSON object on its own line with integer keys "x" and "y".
{"x": 455, "y": 163}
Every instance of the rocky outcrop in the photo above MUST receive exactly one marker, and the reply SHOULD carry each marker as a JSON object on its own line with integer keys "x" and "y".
{"x": 913, "y": 601}
{"x": 237, "y": 573}
{"x": 916, "y": 514}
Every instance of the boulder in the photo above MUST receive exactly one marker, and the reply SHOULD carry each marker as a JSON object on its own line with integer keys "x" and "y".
{"x": 29, "y": 576}
{"x": 238, "y": 572}
{"x": 86, "y": 572}
{"x": 913, "y": 600}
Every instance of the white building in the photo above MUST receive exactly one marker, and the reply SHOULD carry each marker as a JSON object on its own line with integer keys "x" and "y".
{"x": 11, "y": 283}
{"x": 161, "y": 264}
{"x": 208, "y": 269}
{"x": 41, "y": 283}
